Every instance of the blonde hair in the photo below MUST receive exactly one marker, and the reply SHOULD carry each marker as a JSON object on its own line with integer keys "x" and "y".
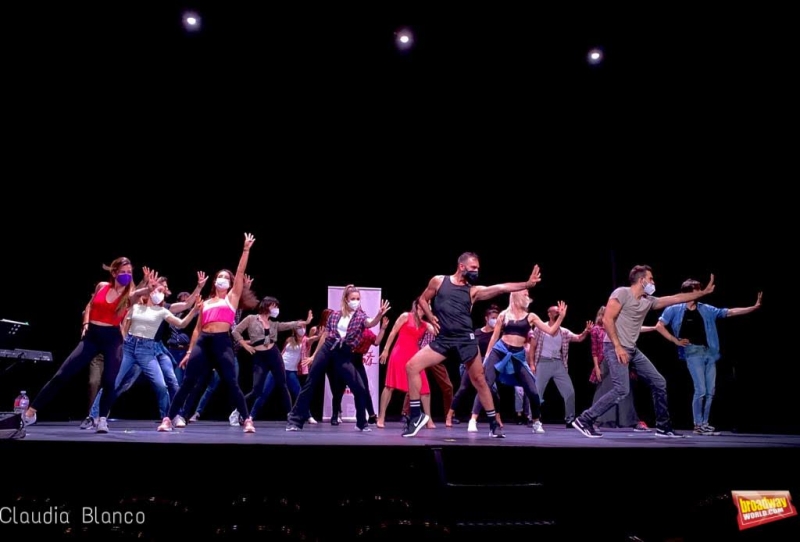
{"x": 511, "y": 299}
{"x": 349, "y": 289}
{"x": 598, "y": 320}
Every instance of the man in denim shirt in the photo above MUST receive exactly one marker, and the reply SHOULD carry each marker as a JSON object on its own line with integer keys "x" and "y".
{"x": 696, "y": 325}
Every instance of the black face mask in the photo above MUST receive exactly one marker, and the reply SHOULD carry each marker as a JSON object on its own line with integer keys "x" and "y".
{"x": 471, "y": 277}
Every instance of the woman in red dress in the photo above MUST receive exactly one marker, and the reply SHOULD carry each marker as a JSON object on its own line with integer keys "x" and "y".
{"x": 409, "y": 329}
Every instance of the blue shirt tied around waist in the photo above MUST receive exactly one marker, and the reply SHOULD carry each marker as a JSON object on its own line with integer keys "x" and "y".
{"x": 505, "y": 367}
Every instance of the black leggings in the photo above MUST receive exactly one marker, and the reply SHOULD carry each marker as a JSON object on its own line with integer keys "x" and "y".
{"x": 212, "y": 351}
{"x": 521, "y": 373}
{"x": 264, "y": 363}
{"x": 106, "y": 340}
{"x": 339, "y": 356}
{"x": 338, "y": 388}
{"x": 464, "y": 387}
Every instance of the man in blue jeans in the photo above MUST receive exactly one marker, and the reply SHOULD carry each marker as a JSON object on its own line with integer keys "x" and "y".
{"x": 698, "y": 345}
{"x": 625, "y": 312}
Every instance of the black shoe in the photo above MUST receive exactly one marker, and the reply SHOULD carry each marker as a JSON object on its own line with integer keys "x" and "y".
{"x": 415, "y": 424}
{"x": 373, "y": 420}
{"x": 667, "y": 432}
{"x": 495, "y": 431}
{"x": 586, "y": 429}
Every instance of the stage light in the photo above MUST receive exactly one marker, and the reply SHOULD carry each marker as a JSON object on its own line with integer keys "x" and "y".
{"x": 595, "y": 56}
{"x": 404, "y": 39}
{"x": 191, "y": 21}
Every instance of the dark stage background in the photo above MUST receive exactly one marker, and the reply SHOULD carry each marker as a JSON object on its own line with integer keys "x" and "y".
{"x": 354, "y": 163}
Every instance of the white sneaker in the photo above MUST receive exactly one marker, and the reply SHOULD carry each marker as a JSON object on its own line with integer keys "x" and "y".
{"x": 537, "y": 427}
{"x": 102, "y": 425}
{"x": 195, "y": 417}
{"x": 472, "y": 426}
{"x": 311, "y": 420}
{"x": 178, "y": 421}
{"x": 234, "y": 418}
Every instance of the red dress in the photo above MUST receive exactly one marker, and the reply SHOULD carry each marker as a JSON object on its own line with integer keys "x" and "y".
{"x": 406, "y": 345}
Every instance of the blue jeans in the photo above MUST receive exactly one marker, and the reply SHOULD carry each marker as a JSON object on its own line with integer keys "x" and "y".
{"x": 292, "y": 382}
{"x": 212, "y": 386}
{"x": 177, "y": 355}
{"x": 703, "y": 369}
{"x": 620, "y": 378}
{"x": 141, "y": 352}
{"x": 165, "y": 362}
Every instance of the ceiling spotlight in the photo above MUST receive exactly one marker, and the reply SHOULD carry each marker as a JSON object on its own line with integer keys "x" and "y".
{"x": 191, "y": 21}
{"x": 595, "y": 56}
{"x": 404, "y": 39}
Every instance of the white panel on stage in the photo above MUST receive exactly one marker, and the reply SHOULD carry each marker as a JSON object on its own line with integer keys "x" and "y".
{"x": 371, "y": 303}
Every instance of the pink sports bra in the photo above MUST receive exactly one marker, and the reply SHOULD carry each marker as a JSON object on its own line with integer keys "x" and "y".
{"x": 219, "y": 310}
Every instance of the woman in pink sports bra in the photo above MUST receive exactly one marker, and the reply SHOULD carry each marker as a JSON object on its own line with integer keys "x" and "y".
{"x": 211, "y": 346}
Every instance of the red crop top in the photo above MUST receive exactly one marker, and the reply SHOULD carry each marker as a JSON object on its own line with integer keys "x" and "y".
{"x": 103, "y": 311}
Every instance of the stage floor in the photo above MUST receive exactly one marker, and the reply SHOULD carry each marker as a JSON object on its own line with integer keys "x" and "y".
{"x": 331, "y": 483}
{"x": 324, "y": 434}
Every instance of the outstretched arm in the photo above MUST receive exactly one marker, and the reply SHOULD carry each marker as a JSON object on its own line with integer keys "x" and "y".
{"x": 238, "y": 282}
{"x": 745, "y": 310}
{"x": 181, "y": 306}
{"x": 585, "y": 333}
{"x": 377, "y": 318}
{"x": 550, "y": 330}
{"x": 662, "y": 302}
{"x": 482, "y": 293}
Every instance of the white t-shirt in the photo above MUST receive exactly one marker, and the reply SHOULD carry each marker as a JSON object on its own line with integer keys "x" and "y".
{"x": 291, "y": 357}
{"x": 146, "y": 319}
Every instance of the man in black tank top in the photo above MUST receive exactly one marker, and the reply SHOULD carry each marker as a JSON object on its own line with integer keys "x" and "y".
{"x": 453, "y": 297}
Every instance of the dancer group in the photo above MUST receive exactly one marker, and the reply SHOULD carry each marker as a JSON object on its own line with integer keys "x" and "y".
{"x": 130, "y": 330}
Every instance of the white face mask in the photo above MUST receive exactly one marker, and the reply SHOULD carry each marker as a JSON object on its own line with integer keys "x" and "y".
{"x": 273, "y": 313}
{"x": 492, "y": 322}
{"x": 353, "y": 304}
{"x": 649, "y": 288}
{"x": 222, "y": 284}
{"x": 157, "y": 297}
{"x": 301, "y": 332}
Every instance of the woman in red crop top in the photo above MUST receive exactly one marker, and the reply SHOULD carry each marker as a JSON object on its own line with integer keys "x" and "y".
{"x": 211, "y": 346}
{"x": 101, "y": 334}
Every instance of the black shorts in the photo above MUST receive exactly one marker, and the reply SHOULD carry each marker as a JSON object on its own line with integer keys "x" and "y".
{"x": 463, "y": 351}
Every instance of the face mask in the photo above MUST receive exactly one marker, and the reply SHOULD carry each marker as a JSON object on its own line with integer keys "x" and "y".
{"x": 649, "y": 288}
{"x": 301, "y": 332}
{"x": 492, "y": 322}
{"x": 353, "y": 304}
{"x": 124, "y": 279}
{"x": 157, "y": 298}
{"x": 273, "y": 313}
{"x": 222, "y": 284}
{"x": 471, "y": 277}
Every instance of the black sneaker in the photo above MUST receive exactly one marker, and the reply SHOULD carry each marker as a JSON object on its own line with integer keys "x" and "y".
{"x": 88, "y": 423}
{"x": 415, "y": 424}
{"x": 586, "y": 429}
{"x": 495, "y": 431}
{"x": 667, "y": 432}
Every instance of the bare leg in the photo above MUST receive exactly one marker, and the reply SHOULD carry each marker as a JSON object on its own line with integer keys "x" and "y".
{"x": 476, "y": 376}
{"x": 426, "y": 407}
{"x": 419, "y": 362}
{"x": 386, "y": 397}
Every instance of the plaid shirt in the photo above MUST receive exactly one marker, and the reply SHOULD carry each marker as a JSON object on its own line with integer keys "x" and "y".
{"x": 366, "y": 342}
{"x": 567, "y": 337}
{"x": 426, "y": 339}
{"x": 355, "y": 328}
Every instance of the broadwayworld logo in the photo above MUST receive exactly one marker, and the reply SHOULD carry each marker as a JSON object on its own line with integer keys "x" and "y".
{"x": 760, "y": 507}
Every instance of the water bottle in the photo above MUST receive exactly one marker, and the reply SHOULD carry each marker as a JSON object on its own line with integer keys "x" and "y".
{"x": 21, "y": 403}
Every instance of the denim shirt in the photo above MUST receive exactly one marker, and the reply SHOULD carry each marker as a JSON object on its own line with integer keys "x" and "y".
{"x": 673, "y": 317}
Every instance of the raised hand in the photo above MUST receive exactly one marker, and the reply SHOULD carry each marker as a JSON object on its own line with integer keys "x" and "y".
{"x": 710, "y": 286}
{"x": 248, "y": 241}
{"x": 385, "y": 307}
{"x": 310, "y": 317}
{"x": 146, "y": 272}
{"x": 562, "y": 308}
{"x": 201, "y": 279}
{"x": 152, "y": 280}
{"x": 589, "y": 325}
{"x": 536, "y": 276}
{"x": 384, "y": 322}
{"x": 758, "y": 300}
{"x": 248, "y": 281}
{"x": 198, "y": 305}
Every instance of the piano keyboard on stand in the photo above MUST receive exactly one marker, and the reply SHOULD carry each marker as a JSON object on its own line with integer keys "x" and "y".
{"x": 20, "y": 354}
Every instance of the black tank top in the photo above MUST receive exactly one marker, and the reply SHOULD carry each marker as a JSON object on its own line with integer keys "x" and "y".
{"x": 517, "y": 327}
{"x": 453, "y": 307}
